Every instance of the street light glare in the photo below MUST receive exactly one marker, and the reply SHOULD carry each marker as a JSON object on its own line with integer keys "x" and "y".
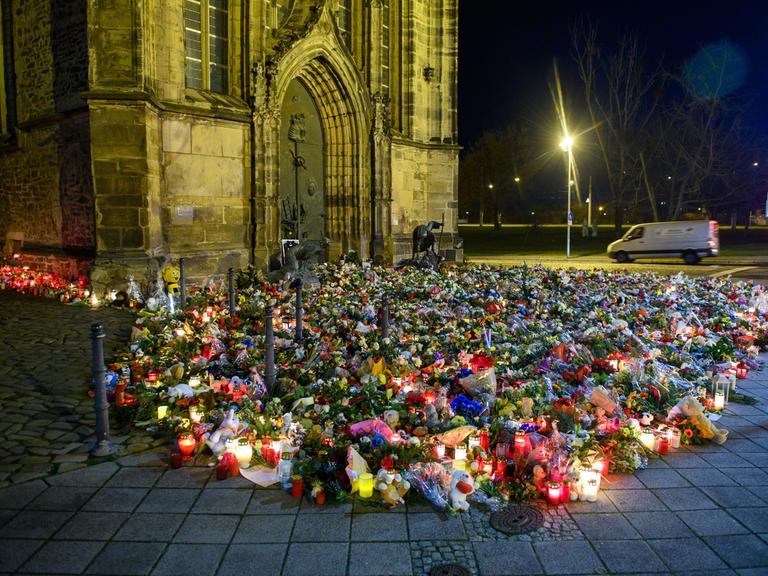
{"x": 517, "y": 178}
{"x": 490, "y": 186}
{"x": 566, "y": 143}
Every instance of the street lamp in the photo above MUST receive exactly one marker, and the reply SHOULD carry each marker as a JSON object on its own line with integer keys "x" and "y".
{"x": 567, "y": 146}
{"x": 517, "y": 179}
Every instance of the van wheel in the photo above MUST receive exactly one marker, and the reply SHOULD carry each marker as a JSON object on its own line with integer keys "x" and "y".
{"x": 690, "y": 257}
{"x": 622, "y": 257}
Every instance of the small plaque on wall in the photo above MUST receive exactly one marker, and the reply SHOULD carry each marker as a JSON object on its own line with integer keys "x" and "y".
{"x": 183, "y": 215}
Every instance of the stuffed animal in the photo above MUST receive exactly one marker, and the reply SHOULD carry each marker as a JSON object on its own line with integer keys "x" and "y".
{"x": 689, "y": 407}
{"x": 392, "y": 487}
{"x": 171, "y": 277}
{"x": 461, "y": 486}
{"x": 646, "y": 418}
{"x": 356, "y": 465}
{"x": 230, "y": 427}
{"x": 540, "y": 478}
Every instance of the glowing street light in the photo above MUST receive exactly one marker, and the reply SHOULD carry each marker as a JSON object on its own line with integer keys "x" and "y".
{"x": 566, "y": 144}
{"x": 517, "y": 179}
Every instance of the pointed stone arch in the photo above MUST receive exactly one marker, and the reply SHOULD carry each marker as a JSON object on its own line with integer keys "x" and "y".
{"x": 325, "y": 67}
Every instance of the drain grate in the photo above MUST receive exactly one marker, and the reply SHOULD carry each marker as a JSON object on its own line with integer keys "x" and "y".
{"x": 450, "y": 570}
{"x": 517, "y": 520}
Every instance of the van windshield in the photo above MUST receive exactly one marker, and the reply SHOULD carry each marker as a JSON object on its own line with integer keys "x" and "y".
{"x": 633, "y": 233}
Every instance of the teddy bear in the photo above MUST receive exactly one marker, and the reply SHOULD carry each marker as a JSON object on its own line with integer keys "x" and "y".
{"x": 229, "y": 427}
{"x": 602, "y": 398}
{"x": 392, "y": 487}
{"x": 461, "y": 486}
{"x": 689, "y": 407}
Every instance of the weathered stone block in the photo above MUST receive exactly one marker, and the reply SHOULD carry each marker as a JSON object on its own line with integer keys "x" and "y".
{"x": 177, "y": 136}
{"x": 133, "y": 238}
{"x": 206, "y": 139}
{"x": 117, "y": 216}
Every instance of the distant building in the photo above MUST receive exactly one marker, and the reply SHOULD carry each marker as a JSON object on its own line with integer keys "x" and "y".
{"x": 138, "y": 131}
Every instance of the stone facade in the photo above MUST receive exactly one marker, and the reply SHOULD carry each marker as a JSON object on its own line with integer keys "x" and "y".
{"x": 117, "y": 163}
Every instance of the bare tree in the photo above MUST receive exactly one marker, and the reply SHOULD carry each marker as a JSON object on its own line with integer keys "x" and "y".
{"x": 621, "y": 96}
{"x": 495, "y": 168}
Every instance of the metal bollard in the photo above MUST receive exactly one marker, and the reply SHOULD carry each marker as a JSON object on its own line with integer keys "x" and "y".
{"x": 384, "y": 317}
{"x": 269, "y": 349}
{"x": 299, "y": 310}
{"x": 182, "y": 285}
{"x": 232, "y": 295}
{"x": 103, "y": 446}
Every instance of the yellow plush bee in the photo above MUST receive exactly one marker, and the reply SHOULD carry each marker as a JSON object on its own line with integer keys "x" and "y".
{"x": 171, "y": 277}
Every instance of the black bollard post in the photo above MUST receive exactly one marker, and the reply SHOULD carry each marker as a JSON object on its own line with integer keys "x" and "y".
{"x": 384, "y": 317}
{"x": 182, "y": 285}
{"x": 232, "y": 295}
{"x": 269, "y": 349}
{"x": 299, "y": 310}
{"x": 103, "y": 446}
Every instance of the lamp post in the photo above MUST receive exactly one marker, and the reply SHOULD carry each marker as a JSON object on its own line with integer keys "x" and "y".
{"x": 567, "y": 145}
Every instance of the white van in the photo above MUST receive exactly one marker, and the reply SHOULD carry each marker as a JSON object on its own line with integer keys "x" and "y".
{"x": 690, "y": 241}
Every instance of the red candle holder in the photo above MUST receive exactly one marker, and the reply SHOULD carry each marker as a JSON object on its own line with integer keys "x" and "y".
{"x": 741, "y": 370}
{"x": 554, "y": 492}
{"x": 484, "y": 439}
{"x": 176, "y": 459}
{"x": 187, "y": 445}
{"x": 297, "y": 487}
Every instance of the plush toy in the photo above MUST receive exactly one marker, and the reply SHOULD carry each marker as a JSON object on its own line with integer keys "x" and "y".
{"x": 370, "y": 428}
{"x": 689, "y": 407}
{"x": 391, "y": 417}
{"x": 230, "y": 427}
{"x": 540, "y": 478}
{"x": 392, "y": 487}
{"x": 646, "y": 418}
{"x": 171, "y": 277}
{"x": 461, "y": 486}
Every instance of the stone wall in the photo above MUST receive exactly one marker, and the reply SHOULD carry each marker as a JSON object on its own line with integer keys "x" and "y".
{"x": 205, "y": 210}
{"x": 45, "y": 185}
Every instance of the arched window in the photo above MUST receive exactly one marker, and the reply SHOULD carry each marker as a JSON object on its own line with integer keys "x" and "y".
{"x": 206, "y": 43}
{"x": 344, "y": 21}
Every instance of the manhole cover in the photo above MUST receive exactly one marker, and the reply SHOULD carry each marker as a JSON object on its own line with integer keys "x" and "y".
{"x": 517, "y": 519}
{"x": 450, "y": 570}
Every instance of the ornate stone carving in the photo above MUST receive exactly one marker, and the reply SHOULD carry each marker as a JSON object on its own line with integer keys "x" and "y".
{"x": 382, "y": 125}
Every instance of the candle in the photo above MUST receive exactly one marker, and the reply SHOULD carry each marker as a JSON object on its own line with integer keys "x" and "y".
{"x": 484, "y": 439}
{"x": 266, "y": 443}
{"x": 152, "y": 377}
{"x": 285, "y": 468}
{"x": 195, "y": 413}
{"x": 396, "y": 438}
{"x": 195, "y": 381}
{"x": 741, "y": 371}
{"x": 244, "y": 453}
{"x": 674, "y": 439}
{"x": 565, "y": 492}
{"x": 187, "y": 444}
{"x": 474, "y": 442}
{"x": 602, "y": 465}
{"x": 663, "y": 445}
{"x": 647, "y": 438}
{"x": 591, "y": 490}
{"x": 501, "y": 450}
{"x": 297, "y": 486}
{"x": 520, "y": 444}
{"x": 589, "y": 481}
{"x": 440, "y": 450}
{"x": 719, "y": 400}
{"x": 365, "y": 485}
{"x": 275, "y": 454}
{"x": 162, "y": 411}
{"x": 554, "y": 492}
{"x": 176, "y": 459}
{"x": 429, "y": 396}
{"x": 460, "y": 453}
{"x": 459, "y": 464}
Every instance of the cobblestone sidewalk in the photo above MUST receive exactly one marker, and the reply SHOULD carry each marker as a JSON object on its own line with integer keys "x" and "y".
{"x": 47, "y": 422}
{"x": 698, "y": 511}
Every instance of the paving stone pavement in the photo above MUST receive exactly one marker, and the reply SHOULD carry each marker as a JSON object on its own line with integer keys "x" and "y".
{"x": 699, "y": 510}
{"x": 48, "y": 421}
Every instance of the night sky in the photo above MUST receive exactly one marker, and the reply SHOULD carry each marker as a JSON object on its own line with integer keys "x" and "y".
{"x": 506, "y": 51}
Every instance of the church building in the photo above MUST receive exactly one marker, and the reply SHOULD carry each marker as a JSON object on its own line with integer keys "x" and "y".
{"x": 136, "y": 132}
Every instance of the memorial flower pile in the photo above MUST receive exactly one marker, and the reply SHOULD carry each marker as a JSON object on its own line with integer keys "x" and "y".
{"x": 21, "y": 278}
{"x": 489, "y": 385}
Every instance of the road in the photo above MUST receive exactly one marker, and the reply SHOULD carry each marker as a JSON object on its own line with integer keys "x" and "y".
{"x": 738, "y": 268}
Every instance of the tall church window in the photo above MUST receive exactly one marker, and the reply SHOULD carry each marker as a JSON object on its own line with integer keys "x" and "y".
{"x": 206, "y": 41}
{"x": 7, "y": 74}
{"x": 385, "y": 48}
{"x": 344, "y": 21}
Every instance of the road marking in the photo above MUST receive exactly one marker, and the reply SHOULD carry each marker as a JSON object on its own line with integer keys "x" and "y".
{"x": 731, "y": 271}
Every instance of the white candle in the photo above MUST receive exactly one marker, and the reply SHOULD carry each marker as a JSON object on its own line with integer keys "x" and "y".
{"x": 460, "y": 453}
{"x": 719, "y": 401}
{"x": 648, "y": 439}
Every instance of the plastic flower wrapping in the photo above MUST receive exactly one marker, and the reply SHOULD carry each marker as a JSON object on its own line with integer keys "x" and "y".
{"x": 492, "y": 384}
